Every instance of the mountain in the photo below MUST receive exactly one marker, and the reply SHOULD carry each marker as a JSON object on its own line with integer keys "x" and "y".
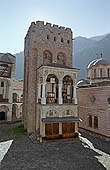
{"x": 98, "y": 38}
{"x": 19, "y": 71}
{"x": 85, "y": 50}
{"x": 81, "y": 43}
{"x": 88, "y": 53}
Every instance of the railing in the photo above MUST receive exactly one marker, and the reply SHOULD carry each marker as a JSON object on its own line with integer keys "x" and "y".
{"x": 68, "y": 101}
{"x": 17, "y": 101}
{"x": 4, "y": 100}
{"x": 51, "y": 100}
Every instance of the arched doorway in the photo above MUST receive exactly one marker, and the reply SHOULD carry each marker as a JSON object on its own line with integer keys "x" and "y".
{"x": 2, "y": 115}
{"x": 3, "y": 112}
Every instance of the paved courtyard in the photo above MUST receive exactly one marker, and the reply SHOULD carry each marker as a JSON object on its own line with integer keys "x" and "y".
{"x": 17, "y": 152}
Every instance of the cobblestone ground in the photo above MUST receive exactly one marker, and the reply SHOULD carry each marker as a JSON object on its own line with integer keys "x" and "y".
{"x": 89, "y": 153}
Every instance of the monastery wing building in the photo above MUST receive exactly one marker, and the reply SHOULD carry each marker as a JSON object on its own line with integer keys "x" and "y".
{"x": 7, "y": 72}
{"x": 11, "y": 91}
{"x": 50, "y": 101}
{"x": 94, "y": 99}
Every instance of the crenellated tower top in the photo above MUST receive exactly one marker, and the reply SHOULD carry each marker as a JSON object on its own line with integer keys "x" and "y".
{"x": 41, "y": 25}
{"x": 50, "y": 40}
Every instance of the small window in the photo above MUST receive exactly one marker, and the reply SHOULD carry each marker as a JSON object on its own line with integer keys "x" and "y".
{"x": 2, "y": 84}
{"x": 1, "y": 97}
{"x": 108, "y": 100}
{"x": 101, "y": 72}
{"x": 61, "y": 39}
{"x": 90, "y": 121}
{"x": 48, "y": 37}
{"x": 68, "y": 41}
{"x": 54, "y": 38}
{"x": 95, "y": 122}
{"x": 94, "y": 73}
{"x": 108, "y": 72}
{"x": 41, "y": 91}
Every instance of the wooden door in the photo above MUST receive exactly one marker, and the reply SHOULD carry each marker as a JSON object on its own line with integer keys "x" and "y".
{"x": 68, "y": 127}
{"x": 52, "y": 129}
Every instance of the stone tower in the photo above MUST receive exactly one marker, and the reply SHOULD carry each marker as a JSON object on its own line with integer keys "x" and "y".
{"x": 47, "y": 59}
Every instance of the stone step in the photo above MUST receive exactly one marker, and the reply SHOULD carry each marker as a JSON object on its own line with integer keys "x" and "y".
{"x": 34, "y": 136}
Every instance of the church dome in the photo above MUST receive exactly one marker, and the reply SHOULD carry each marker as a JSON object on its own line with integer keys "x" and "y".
{"x": 98, "y": 62}
{"x": 83, "y": 82}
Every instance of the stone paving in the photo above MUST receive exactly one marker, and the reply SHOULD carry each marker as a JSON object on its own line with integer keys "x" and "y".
{"x": 88, "y": 153}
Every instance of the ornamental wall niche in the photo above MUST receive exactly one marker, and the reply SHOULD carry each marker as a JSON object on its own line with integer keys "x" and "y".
{"x": 59, "y": 109}
{"x": 52, "y": 113}
{"x": 61, "y": 58}
{"x": 68, "y": 112}
{"x": 47, "y": 57}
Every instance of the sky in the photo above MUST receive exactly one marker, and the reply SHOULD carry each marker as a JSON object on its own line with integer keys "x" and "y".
{"x": 86, "y": 18}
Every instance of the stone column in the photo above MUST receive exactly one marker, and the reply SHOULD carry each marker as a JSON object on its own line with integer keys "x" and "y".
{"x": 39, "y": 92}
{"x": 18, "y": 112}
{"x": 43, "y": 129}
{"x": 43, "y": 100}
{"x": 4, "y": 92}
{"x": 76, "y": 127}
{"x": 9, "y": 113}
{"x": 55, "y": 90}
{"x": 68, "y": 89}
{"x": 60, "y": 128}
{"x": 92, "y": 121}
{"x": 60, "y": 100}
{"x": 10, "y": 94}
{"x": 74, "y": 94}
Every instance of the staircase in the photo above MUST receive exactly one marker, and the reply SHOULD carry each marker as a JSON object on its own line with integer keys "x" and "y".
{"x": 35, "y": 137}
